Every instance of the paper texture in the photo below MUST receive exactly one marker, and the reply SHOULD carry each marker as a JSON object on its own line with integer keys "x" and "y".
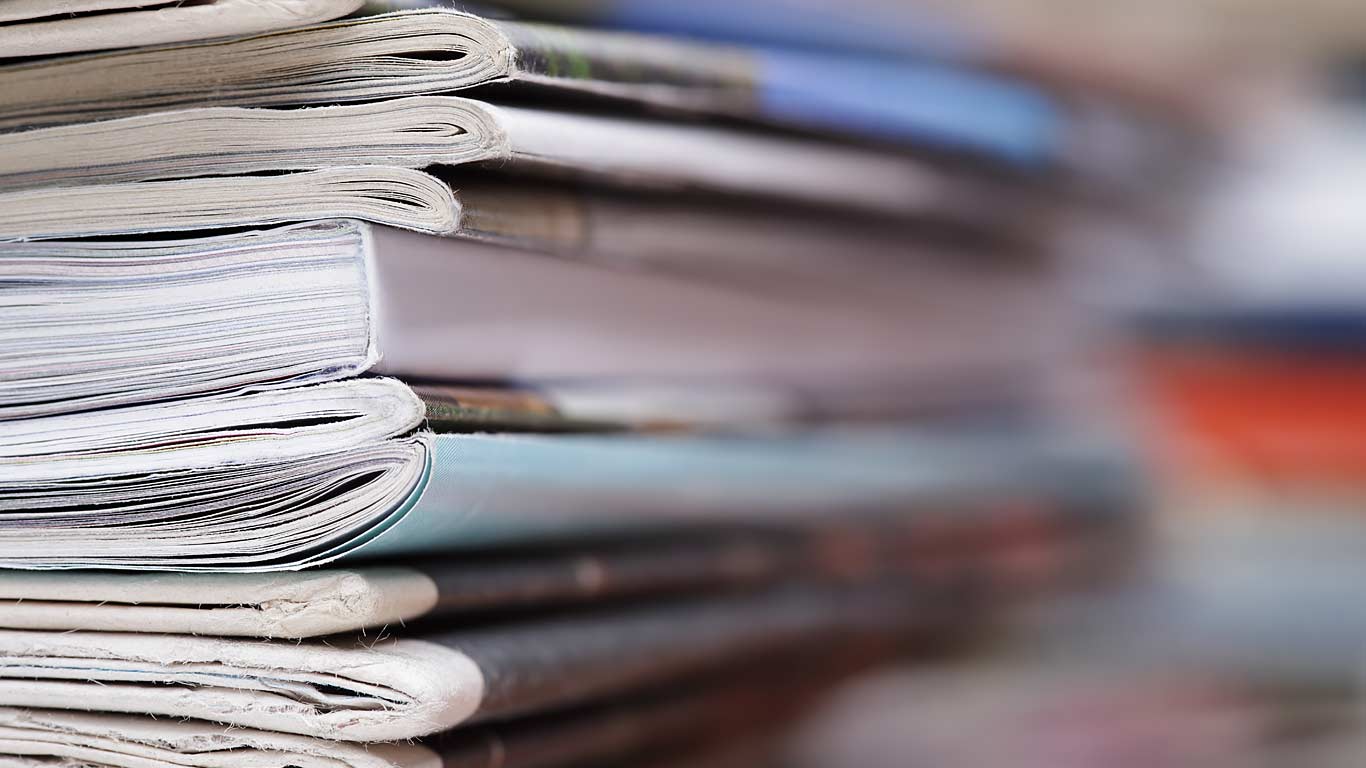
{"x": 276, "y": 478}
{"x": 365, "y": 692}
{"x": 122, "y": 741}
{"x": 128, "y": 322}
{"x": 396, "y": 197}
{"x": 305, "y": 604}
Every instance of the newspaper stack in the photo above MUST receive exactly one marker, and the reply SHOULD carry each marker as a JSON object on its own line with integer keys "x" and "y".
{"x": 411, "y": 387}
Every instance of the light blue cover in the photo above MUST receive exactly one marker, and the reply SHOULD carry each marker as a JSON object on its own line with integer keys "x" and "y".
{"x": 500, "y": 489}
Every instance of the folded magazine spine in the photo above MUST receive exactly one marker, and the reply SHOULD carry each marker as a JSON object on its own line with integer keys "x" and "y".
{"x": 307, "y": 604}
{"x": 424, "y": 131}
{"x": 397, "y": 197}
{"x": 136, "y": 741}
{"x": 282, "y": 478}
{"x": 416, "y": 132}
{"x": 391, "y": 689}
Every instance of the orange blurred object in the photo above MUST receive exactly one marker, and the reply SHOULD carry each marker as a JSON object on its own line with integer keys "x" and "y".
{"x": 1282, "y": 418}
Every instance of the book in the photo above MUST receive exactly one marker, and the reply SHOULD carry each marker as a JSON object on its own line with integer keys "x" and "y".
{"x": 431, "y": 681}
{"x": 45, "y": 27}
{"x": 137, "y": 321}
{"x": 439, "y": 50}
{"x": 424, "y": 131}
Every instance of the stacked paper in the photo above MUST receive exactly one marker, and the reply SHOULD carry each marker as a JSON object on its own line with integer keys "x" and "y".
{"x": 404, "y": 387}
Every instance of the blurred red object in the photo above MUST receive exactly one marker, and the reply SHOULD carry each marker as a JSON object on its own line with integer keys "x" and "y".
{"x": 1273, "y": 417}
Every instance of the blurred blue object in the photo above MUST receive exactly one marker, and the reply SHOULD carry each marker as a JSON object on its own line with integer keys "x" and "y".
{"x": 793, "y": 23}
{"x": 895, "y": 28}
{"x": 934, "y": 105}
{"x": 876, "y": 71}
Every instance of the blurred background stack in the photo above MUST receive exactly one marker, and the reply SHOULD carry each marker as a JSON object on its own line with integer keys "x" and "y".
{"x": 1058, "y": 462}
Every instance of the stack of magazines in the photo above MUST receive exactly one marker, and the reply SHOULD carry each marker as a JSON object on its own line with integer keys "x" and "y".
{"x": 404, "y": 387}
